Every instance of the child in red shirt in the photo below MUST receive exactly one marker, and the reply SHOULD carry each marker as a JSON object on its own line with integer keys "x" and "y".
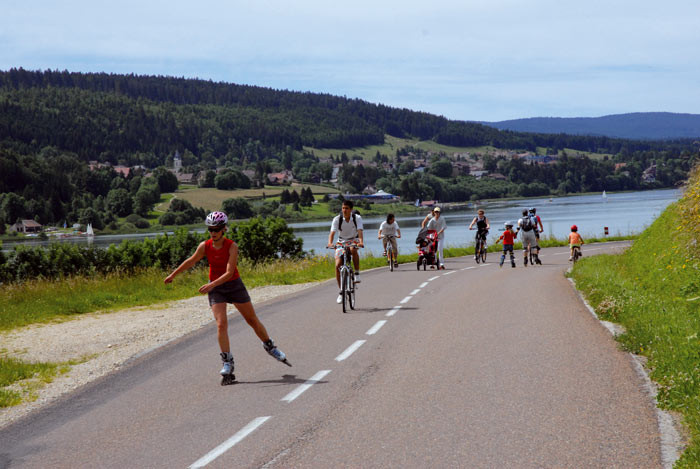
{"x": 508, "y": 238}
{"x": 575, "y": 241}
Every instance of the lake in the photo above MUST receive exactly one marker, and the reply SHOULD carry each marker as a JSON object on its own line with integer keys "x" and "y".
{"x": 623, "y": 214}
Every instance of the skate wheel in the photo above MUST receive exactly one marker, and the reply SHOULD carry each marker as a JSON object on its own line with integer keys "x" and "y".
{"x": 229, "y": 379}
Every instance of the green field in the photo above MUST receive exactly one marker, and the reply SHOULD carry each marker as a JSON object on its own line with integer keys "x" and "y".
{"x": 211, "y": 199}
{"x": 391, "y": 144}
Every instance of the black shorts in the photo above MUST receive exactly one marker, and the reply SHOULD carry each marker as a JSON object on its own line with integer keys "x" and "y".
{"x": 229, "y": 292}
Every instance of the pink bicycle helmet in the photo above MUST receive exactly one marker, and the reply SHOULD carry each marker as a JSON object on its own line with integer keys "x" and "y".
{"x": 216, "y": 219}
{"x": 574, "y": 228}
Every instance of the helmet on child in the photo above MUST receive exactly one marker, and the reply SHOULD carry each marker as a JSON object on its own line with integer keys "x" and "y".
{"x": 216, "y": 219}
{"x": 574, "y": 228}
{"x": 533, "y": 210}
{"x": 508, "y": 224}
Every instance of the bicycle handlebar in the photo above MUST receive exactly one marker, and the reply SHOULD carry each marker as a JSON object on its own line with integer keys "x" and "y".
{"x": 345, "y": 244}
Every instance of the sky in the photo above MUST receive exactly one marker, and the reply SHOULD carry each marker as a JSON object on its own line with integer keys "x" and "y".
{"x": 486, "y": 60}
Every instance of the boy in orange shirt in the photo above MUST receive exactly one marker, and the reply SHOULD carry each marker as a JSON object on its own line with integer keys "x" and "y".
{"x": 508, "y": 238}
{"x": 575, "y": 240}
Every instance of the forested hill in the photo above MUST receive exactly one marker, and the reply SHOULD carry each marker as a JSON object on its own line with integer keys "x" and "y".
{"x": 142, "y": 119}
{"x": 639, "y": 125}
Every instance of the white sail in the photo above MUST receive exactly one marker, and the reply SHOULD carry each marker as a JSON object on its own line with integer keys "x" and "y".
{"x": 605, "y": 196}
{"x": 90, "y": 231}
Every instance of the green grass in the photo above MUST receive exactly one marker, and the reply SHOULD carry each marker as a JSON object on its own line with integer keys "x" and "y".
{"x": 653, "y": 290}
{"x": 30, "y": 375}
{"x": 211, "y": 199}
{"x": 46, "y": 300}
{"x": 391, "y": 144}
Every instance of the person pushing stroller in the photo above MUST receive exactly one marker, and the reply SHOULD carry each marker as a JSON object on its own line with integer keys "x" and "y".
{"x": 427, "y": 244}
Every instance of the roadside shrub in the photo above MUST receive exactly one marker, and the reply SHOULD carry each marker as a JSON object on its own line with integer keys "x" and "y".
{"x": 259, "y": 240}
{"x": 263, "y": 239}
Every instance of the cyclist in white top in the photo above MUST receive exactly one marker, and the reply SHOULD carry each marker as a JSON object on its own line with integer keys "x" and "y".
{"x": 388, "y": 232}
{"x": 348, "y": 225}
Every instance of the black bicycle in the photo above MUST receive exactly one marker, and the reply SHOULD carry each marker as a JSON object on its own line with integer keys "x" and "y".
{"x": 480, "y": 246}
{"x": 347, "y": 275}
{"x": 577, "y": 253}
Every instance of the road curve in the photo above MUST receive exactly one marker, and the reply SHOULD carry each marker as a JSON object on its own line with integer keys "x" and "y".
{"x": 474, "y": 366}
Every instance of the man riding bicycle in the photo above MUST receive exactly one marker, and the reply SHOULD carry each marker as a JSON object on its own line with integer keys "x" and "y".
{"x": 348, "y": 225}
{"x": 482, "y": 227}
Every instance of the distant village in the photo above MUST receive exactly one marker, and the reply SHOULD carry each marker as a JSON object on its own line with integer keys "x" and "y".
{"x": 462, "y": 164}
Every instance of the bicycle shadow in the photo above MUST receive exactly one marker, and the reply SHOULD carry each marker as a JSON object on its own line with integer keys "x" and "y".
{"x": 377, "y": 310}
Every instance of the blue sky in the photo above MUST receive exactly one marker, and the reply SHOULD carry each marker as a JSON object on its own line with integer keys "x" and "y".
{"x": 468, "y": 60}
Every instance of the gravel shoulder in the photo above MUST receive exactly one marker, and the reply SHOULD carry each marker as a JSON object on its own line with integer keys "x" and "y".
{"x": 102, "y": 342}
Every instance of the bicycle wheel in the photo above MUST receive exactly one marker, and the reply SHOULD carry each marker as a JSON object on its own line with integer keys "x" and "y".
{"x": 425, "y": 264}
{"x": 343, "y": 288}
{"x": 477, "y": 252}
{"x": 483, "y": 253}
{"x": 351, "y": 291}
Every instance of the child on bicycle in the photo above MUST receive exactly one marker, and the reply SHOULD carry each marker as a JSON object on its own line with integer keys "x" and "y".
{"x": 348, "y": 225}
{"x": 575, "y": 241}
{"x": 388, "y": 232}
{"x": 508, "y": 238}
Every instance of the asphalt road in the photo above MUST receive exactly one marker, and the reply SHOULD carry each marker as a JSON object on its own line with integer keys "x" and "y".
{"x": 479, "y": 367}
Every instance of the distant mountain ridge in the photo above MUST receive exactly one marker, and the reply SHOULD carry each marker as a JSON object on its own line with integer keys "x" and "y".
{"x": 638, "y": 125}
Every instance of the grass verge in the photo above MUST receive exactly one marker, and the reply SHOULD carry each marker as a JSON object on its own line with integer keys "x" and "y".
{"x": 19, "y": 380}
{"x": 653, "y": 290}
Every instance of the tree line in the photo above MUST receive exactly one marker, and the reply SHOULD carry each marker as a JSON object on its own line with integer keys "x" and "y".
{"x": 111, "y": 116}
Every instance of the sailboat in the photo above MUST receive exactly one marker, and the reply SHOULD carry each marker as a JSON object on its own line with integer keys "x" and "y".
{"x": 605, "y": 197}
{"x": 89, "y": 230}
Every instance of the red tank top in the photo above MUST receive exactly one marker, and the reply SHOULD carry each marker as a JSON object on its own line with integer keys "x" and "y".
{"x": 507, "y": 237}
{"x": 218, "y": 259}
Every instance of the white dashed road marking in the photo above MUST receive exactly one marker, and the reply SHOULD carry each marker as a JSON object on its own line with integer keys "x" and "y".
{"x": 393, "y": 311}
{"x": 423, "y": 285}
{"x": 350, "y": 350}
{"x": 415, "y": 292}
{"x": 376, "y": 327}
{"x": 406, "y": 300}
{"x": 228, "y": 444}
{"x": 310, "y": 382}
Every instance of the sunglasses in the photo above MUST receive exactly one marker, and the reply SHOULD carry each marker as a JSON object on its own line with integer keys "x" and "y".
{"x": 214, "y": 229}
